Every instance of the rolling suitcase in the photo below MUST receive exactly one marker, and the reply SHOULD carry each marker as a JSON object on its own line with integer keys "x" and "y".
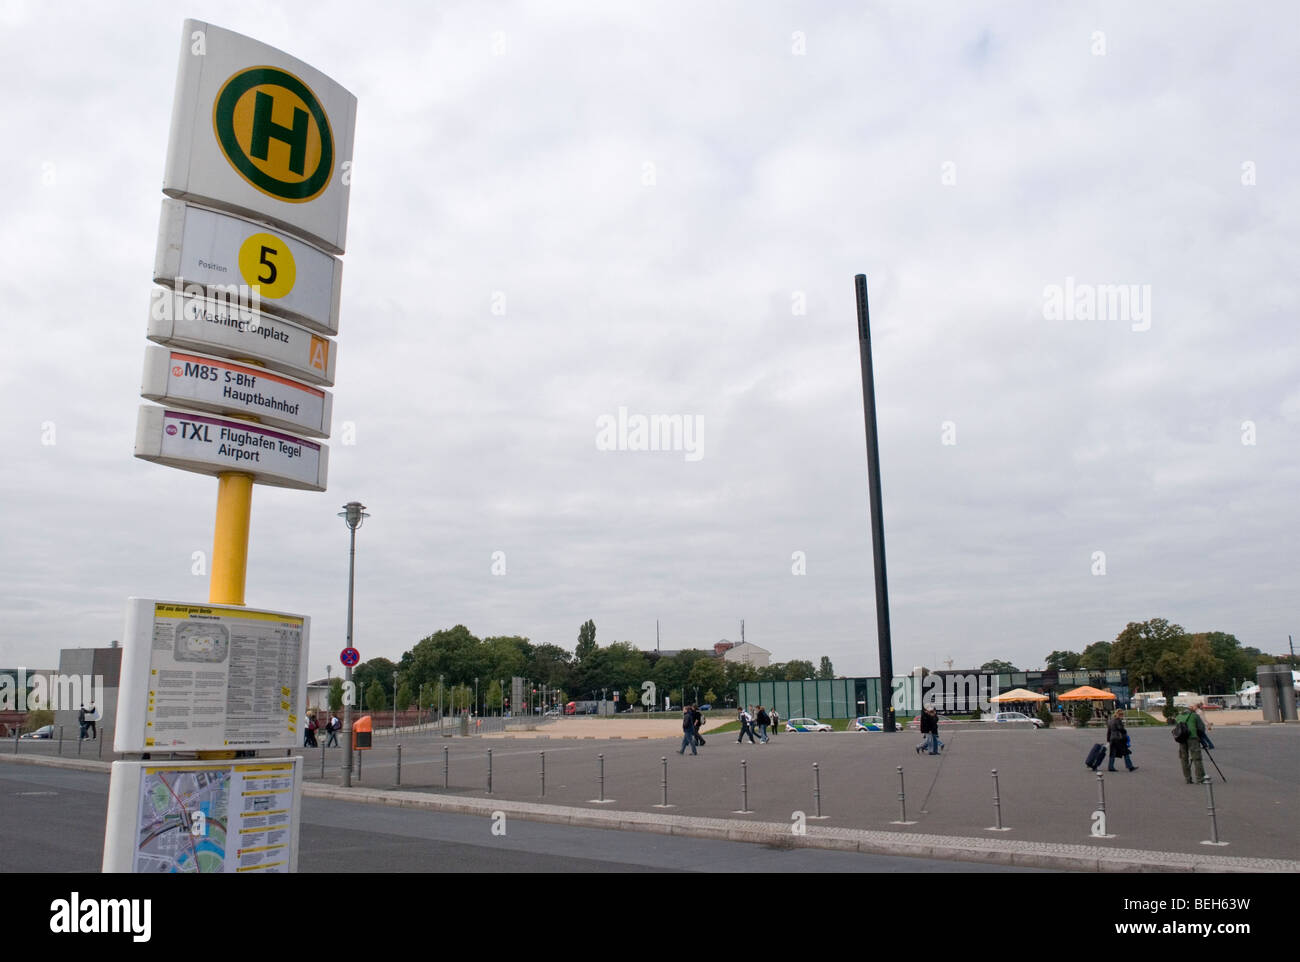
{"x": 1096, "y": 756}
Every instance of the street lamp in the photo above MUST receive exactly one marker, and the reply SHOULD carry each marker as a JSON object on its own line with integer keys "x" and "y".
{"x": 476, "y": 697}
{"x": 440, "y": 704}
{"x": 353, "y": 515}
{"x": 394, "y": 703}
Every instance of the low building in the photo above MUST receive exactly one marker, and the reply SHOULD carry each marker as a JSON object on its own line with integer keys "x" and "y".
{"x": 744, "y": 653}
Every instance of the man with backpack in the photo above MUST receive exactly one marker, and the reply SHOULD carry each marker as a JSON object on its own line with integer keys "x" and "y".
{"x": 1189, "y": 732}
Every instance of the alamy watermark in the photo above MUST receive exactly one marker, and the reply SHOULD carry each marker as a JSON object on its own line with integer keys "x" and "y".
{"x": 1098, "y": 302}
{"x": 653, "y": 432}
{"x": 240, "y": 303}
{"x": 20, "y": 691}
{"x": 950, "y": 691}
{"x": 76, "y": 915}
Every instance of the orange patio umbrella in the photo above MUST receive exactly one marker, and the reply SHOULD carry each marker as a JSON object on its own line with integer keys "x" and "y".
{"x": 1086, "y": 693}
{"x": 1019, "y": 694}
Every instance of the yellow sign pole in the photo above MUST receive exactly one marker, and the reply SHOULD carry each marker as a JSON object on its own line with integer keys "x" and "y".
{"x": 230, "y": 538}
{"x": 230, "y": 548}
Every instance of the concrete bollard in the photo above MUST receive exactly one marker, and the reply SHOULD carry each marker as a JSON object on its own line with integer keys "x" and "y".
{"x": 902, "y": 800}
{"x": 817, "y": 791}
{"x": 663, "y": 762}
{"x": 997, "y": 806}
{"x": 600, "y": 782}
{"x": 1214, "y": 821}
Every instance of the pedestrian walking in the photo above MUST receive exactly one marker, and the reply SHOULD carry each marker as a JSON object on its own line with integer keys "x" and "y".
{"x": 688, "y": 732}
{"x": 929, "y": 731}
{"x": 90, "y": 721}
{"x": 776, "y": 721}
{"x": 81, "y": 720}
{"x": 333, "y": 729}
{"x": 763, "y": 721}
{"x": 1117, "y": 738}
{"x": 746, "y": 727}
{"x": 697, "y": 719}
{"x": 309, "y": 732}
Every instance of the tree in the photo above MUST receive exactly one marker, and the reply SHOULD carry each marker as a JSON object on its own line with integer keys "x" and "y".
{"x": 1096, "y": 655}
{"x": 1238, "y": 662}
{"x": 375, "y": 670}
{"x": 336, "y": 694}
{"x": 1151, "y": 649}
{"x": 586, "y": 642}
{"x": 799, "y": 670}
{"x": 505, "y": 657}
{"x": 551, "y": 665}
{"x": 494, "y": 696}
{"x": 998, "y": 666}
{"x": 376, "y": 699}
{"x": 404, "y": 696}
{"x": 826, "y": 671}
{"x": 1063, "y": 661}
{"x": 455, "y": 653}
{"x": 707, "y": 674}
{"x": 1199, "y": 665}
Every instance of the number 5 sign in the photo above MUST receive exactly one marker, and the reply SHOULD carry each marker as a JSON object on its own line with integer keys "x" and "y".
{"x": 289, "y": 277}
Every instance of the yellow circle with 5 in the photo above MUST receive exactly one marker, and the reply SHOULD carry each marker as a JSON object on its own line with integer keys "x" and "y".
{"x": 265, "y": 261}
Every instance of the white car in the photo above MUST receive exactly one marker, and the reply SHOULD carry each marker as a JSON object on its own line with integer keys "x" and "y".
{"x": 1008, "y": 717}
{"x": 869, "y": 723}
{"x": 806, "y": 725}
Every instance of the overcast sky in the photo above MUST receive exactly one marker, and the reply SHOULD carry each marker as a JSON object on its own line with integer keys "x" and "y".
{"x": 563, "y": 209}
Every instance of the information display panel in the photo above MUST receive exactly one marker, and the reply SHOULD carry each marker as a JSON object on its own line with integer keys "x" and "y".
{"x": 293, "y": 279}
{"x": 224, "y": 387}
{"x": 199, "y": 677}
{"x": 212, "y": 445}
{"x": 206, "y": 817}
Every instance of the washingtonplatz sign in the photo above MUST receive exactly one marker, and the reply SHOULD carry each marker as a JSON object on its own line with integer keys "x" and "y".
{"x": 253, "y": 223}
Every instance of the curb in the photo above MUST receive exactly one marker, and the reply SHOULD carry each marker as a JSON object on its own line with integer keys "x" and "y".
{"x": 1045, "y": 855}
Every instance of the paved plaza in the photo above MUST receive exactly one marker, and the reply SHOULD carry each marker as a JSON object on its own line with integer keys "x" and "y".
{"x": 1047, "y": 801}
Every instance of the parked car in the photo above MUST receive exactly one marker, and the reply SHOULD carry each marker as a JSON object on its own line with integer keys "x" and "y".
{"x": 706, "y": 708}
{"x": 869, "y": 723}
{"x": 45, "y": 731}
{"x": 1009, "y": 717}
{"x": 806, "y": 725}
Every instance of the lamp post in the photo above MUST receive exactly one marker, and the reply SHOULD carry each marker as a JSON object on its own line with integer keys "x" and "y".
{"x": 476, "y": 697}
{"x": 394, "y": 703}
{"x": 440, "y": 704}
{"x": 353, "y": 515}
